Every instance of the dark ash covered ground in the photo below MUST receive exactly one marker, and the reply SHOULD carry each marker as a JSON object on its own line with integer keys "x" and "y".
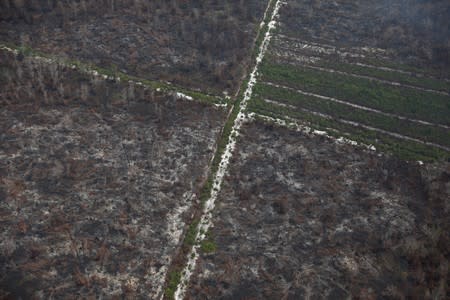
{"x": 417, "y": 32}
{"x": 96, "y": 181}
{"x": 302, "y": 216}
{"x": 197, "y": 44}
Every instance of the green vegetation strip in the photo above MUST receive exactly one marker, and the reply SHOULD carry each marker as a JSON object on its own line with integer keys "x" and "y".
{"x": 433, "y": 134}
{"x": 197, "y": 96}
{"x": 226, "y": 132}
{"x": 408, "y": 102}
{"x": 262, "y": 30}
{"x": 423, "y": 82}
{"x": 189, "y": 239}
{"x": 114, "y": 73}
{"x": 174, "y": 278}
{"x": 403, "y": 149}
{"x": 221, "y": 146}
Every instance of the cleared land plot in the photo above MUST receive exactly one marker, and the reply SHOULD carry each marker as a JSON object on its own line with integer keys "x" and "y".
{"x": 405, "y": 120}
{"x": 345, "y": 104}
{"x": 97, "y": 179}
{"x": 392, "y": 76}
{"x": 301, "y": 216}
{"x": 408, "y": 102}
{"x": 405, "y": 149}
{"x": 428, "y": 133}
{"x": 368, "y": 78}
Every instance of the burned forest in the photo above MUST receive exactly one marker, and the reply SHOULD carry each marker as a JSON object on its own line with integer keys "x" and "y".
{"x": 188, "y": 149}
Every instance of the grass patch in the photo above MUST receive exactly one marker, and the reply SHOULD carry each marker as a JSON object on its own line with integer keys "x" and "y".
{"x": 173, "y": 282}
{"x": 208, "y": 245}
{"x": 369, "y": 59}
{"x": 408, "y": 102}
{"x": 433, "y": 134}
{"x": 191, "y": 233}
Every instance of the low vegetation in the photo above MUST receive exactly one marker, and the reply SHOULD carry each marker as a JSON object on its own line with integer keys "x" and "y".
{"x": 407, "y": 150}
{"x": 428, "y": 133}
{"x": 208, "y": 245}
{"x": 408, "y": 102}
{"x": 414, "y": 80}
{"x": 174, "y": 278}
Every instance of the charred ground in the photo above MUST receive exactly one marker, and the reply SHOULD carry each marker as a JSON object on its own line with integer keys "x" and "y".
{"x": 106, "y": 167}
{"x": 302, "y": 216}
{"x": 97, "y": 180}
{"x": 197, "y": 44}
{"x": 417, "y": 30}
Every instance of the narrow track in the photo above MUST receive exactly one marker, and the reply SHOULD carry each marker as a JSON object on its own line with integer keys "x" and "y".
{"x": 206, "y": 218}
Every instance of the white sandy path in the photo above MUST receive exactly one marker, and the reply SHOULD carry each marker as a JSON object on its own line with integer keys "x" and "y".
{"x": 206, "y": 219}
